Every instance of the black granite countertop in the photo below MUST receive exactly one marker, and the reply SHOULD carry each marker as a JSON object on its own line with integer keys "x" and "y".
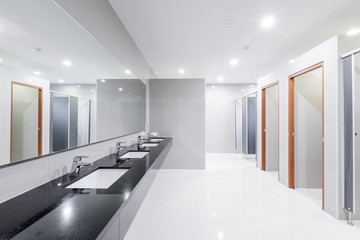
{"x": 52, "y": 211}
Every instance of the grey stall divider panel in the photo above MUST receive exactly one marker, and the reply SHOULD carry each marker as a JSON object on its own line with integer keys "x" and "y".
{"x": 348, "y": 135}
{"x": 251, "y": 119}
{"x": 59, "y": 124}
{"x": 238, "y": 126}
{"x": 73, "y": 130}
{"x": 243, "y": 117}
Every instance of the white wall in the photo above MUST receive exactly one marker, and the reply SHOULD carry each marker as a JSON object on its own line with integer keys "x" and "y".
{"x": 177, "y": 109}
{"x": 328, "y": 53}
{"x": 308, "y": 130}
{"x": 6, "y": 77}
{"x": 220, "y": 115}
{"x": 272, "y": 128}
{"x": 19, "y": 178}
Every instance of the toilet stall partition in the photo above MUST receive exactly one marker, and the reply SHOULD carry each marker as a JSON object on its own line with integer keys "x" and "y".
{"x": 348, "y": 135}
{"x": 351, "y": 77}
{"x": 245, "y": 126}
{"x": 69, "y": 121}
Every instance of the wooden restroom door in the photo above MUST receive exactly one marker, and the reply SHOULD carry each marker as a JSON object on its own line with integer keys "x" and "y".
{"x": 20, "y": 111}
{"x": 291, "y": 126}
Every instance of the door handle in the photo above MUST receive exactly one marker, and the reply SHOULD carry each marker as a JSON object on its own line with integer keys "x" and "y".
{"x": 293, "y": 134}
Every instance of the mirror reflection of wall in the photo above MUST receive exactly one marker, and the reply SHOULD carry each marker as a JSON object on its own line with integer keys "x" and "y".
{"x": 36, "y": 50}
{"x": 121, "y": 107}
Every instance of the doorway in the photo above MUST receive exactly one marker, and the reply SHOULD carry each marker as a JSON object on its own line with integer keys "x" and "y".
{"x": 306, "y": 132}
{"x": 26, "y": 121}
{"x": 270, "y": 129}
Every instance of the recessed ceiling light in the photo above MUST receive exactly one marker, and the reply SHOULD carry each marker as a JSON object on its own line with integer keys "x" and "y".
{"x": 213, "y": 86}
{"x": 0, "y": 60}
{"x": 91, "y": 90}
{"x": 78, "y": 86}
{"x": 127, "y": 71}
{"x": 61, "y": 80}
{"x": 37, "y": 73}
{"x": 120, "y": 89}
{"x": 353, "y": 32}
{"x": 234, "y": 62}
{"x": 251, "y": 86}
{"x": 103, "y": 80}
{"x": 220, "y": 78}
{"x": 243, "y": 90}
{"x": 67, "y": 63}
{"x": 268, "y": 22}
{"x": 291, "y": 61}
{"x": 181, "y": 71}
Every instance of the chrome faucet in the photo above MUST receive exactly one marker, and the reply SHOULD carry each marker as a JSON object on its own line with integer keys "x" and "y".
{"x": 118, "y": 148}
{"x": 77, "y": 164}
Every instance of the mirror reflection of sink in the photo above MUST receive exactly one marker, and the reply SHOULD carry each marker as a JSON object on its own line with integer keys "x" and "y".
{"x": 134, "y": 155}
{"x": 149, "y": 145}
{"x": 101, "y": 178}
{"x": 156, "y": 140}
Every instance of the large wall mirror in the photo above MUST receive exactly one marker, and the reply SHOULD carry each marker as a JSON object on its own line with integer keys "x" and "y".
{"x": 59, "y": 87}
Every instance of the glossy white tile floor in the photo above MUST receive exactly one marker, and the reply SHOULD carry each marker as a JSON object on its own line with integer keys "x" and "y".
{"x": 231, "y": 199}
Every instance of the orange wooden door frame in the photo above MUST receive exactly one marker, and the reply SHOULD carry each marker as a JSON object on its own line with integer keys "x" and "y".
{"x": 263, "y": 125}
{"x": 291, "y": 124}
{"x": 40, "y": 115}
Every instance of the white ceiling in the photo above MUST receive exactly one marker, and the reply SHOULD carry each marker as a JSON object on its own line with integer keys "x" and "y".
{"x": 25, "y": 25}
{"x": 193, "y": 35}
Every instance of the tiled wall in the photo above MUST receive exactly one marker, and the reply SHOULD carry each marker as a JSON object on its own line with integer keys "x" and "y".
{"x": 19, "y": 178}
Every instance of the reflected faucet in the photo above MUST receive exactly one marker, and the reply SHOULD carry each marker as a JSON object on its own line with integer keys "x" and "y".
{"x": 118, "y": 148}
{"x": 77, "y": 164}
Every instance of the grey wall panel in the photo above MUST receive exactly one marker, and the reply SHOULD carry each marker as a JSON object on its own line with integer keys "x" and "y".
{"x": 251, "y": 118}
{"x": 238, "y": 127}
{"x": 348, "y": 135}
{"x": 60, "y": 114}
{"x": 177, "y": 109}
{"x": 244, "y": 121}
{"x": 73, "y": 130}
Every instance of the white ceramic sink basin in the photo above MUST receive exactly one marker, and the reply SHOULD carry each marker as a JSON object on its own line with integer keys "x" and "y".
{"x": 149, "y": 145}
{"x": 156, "y": 140}
{"x": 101, "y": 178}
{"x": 134, "y": 155}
